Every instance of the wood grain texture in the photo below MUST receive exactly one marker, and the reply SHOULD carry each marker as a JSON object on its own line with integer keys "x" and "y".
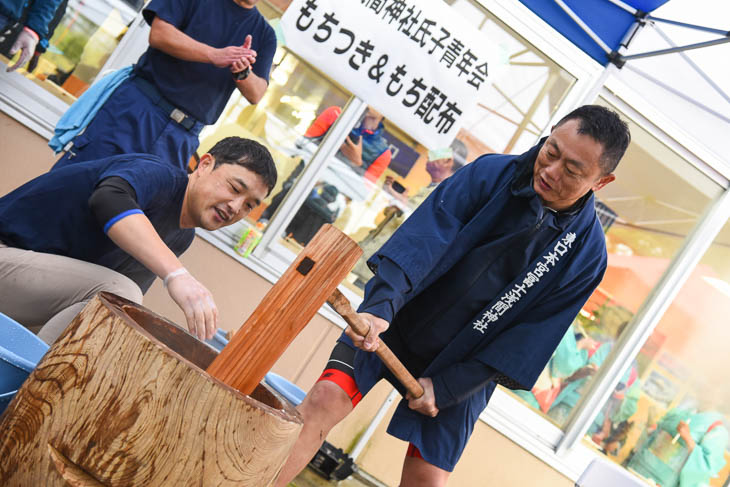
{"x": 118, "y": 405}
{"x": 72, "y": 473}
{"x": 286, "y": 309}
{"x": 341, "y": 304}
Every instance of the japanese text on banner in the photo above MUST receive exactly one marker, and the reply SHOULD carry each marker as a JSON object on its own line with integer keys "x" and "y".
{"x": 414, "y": 61}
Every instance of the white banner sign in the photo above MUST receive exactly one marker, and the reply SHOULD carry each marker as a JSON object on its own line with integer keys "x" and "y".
{"x": 415, "y": 61}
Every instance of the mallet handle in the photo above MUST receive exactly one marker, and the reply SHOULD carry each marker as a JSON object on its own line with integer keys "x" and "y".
{"x": 343, "y": 307}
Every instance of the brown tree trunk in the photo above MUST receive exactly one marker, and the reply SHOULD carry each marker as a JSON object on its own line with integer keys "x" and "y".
{"x": 123, "y": 399}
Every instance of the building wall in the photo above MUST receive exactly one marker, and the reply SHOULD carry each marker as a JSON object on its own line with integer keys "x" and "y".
{"x": 490, "y": 459}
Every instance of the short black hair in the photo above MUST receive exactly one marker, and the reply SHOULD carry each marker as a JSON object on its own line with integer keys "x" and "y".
{"x": 605, "y": 127}
{"x": 246, "y": 153}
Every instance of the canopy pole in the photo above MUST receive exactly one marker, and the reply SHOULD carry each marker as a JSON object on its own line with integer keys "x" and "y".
{"x": 612, "y": 67}
{"x": 675, "y": 49}
{"x": 625, "y": 6}
{"x": 694, "y": 66}
{"x": 679, "y": 94}
{"x": 688, "y": 26}
{"x": 583, "y": 26}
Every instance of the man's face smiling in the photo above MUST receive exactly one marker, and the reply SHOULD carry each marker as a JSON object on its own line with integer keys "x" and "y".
{"x": 568, "y": 166}
{"x": 219, "y": 197}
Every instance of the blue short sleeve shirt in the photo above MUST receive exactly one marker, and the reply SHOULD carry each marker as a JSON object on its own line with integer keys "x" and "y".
{"x": 201, "y": 89}
{"x": 51, "y": 212}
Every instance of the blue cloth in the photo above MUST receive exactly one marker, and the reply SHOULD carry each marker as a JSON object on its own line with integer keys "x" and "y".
{"x": 129, "y": 122}
{"x": 83, "y": 110}
{"x": 38, "y": 13}
{"x": 478, "y": 205}
{"x": 51, "y": 212}
{"x": 201, "y": 89}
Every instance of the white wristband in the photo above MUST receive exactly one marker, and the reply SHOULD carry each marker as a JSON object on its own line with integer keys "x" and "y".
{"x": 176, "y": 273}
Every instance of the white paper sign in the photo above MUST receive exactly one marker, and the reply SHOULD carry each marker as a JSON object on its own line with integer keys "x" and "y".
{"x": 415, "y": 61}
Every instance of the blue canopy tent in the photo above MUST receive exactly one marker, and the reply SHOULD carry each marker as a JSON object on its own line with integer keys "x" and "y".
{"x": 606, "y": 30}
{"x": 600, "y": 28}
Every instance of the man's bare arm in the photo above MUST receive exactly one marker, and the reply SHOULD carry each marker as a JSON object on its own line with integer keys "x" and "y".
{"x": 135, "y": 235}
{"x": 168, "y": 39}
{"x": 253, "y": 86}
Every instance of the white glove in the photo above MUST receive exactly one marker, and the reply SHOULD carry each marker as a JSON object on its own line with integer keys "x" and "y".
{"x": 26, "y": 42}
{"x": 196, "y": 302}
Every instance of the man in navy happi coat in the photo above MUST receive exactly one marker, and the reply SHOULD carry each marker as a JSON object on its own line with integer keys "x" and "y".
{"x": 475, "y": 289}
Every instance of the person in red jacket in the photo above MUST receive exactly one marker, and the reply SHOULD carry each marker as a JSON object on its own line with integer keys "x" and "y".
{"x": 366, "y": 148}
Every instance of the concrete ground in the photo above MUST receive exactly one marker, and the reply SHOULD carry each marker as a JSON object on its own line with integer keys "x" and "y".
{"x": 309, "y": 478}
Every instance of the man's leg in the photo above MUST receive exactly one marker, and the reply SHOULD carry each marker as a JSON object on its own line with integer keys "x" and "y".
{"x": 329, "y": 401}
{"x": 417, "y": 472}
{"x": 47, "y": 291}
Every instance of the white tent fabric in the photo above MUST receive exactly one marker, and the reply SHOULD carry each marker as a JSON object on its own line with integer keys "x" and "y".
{"x": 691, "y": 88}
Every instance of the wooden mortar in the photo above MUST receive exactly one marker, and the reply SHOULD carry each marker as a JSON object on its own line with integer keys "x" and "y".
{"x": 123, "y": 399}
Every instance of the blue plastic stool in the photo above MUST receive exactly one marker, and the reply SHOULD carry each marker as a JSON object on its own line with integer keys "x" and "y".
{"x": 291, "y": 392}
{"x": 219, "y": 340}
{"x": 20, "y": 351}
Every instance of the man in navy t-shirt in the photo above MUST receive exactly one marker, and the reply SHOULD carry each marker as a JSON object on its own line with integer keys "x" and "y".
{"x": 109, "y": 224}
{"x": 200, "y": 51}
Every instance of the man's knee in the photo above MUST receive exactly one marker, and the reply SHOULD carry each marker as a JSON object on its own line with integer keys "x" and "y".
{"x": 417, "y": 472}
{"x": 325, "y": 402}
{"x": 123, "y": 286}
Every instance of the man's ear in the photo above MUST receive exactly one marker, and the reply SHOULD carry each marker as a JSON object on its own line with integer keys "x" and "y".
{"x": 207, "y": 162}
{"x": 604, "y": 180}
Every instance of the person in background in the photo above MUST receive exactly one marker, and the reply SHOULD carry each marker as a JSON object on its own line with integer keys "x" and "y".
{"x": 365, "y": 147}
{"x": 43, "y": 44}
{"x": 476, "y": 288}
{"x": 200, "y": 52}
{"x": 686, "y": 448}
{"x": 22, "y": 25}
{"x": 442, "y": 163}
{"x": 116, "y": 220}
{"x": 563, "y": 382}
{"x": 319, "y": 208}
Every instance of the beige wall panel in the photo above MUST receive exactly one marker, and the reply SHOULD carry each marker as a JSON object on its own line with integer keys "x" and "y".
{"x": 491, "y": 459}
{"x": 25, "y": 154}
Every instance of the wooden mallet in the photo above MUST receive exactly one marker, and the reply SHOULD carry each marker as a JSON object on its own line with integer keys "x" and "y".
{"x": 342, "y": 305}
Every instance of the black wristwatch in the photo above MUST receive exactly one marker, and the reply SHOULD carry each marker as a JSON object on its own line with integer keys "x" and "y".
{"x": 241, "y": 75}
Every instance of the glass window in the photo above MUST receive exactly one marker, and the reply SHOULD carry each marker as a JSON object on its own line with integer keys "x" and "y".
{"x": 82, "y": 36}
{"x": 671, "y": 425}
{"x": 646, "y": 213}
{"x": 296, "y": 94}
{"x": 370, "y": 186}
